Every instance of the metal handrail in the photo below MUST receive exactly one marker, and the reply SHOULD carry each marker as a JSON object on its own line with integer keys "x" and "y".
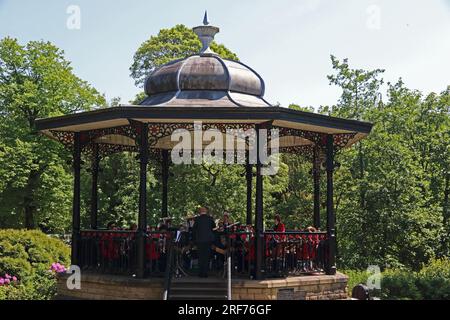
{"x": 169, "y": 268}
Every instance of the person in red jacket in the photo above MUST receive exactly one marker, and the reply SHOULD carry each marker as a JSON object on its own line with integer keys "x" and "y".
{"x": 277, "y": 243}
{"x": 279, "y": 226}
{"x": 309, "y": 248}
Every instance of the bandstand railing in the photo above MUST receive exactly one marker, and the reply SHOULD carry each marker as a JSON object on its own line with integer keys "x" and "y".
{"x": 108, "y": 251}
{"x": 285, "y": 253}
{"x": 294, "y": 253}
{"x": 115, "y": 251}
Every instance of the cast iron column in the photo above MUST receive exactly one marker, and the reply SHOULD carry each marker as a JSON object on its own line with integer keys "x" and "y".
{"x": 142, "y": 219}
{"x": 94, "y": 187}
{"x": 76, "y": 198}
{"x": 259, "y": 224}
{"x": 249, "y": 177}
{"x": 316, "y": 179}
{"x": 331, "y": 232}
{"x": 165, "y": 179}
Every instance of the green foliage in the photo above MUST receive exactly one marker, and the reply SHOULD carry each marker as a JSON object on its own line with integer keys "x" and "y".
{"x": 294, "y": 106}
{"x": 28, "y": 254}
{"x": 355, "y": 277}
{"x": 392, "y": 187}
{"x": 433, "y": 280}
{"x": 36, "y": 81}
{"x": 399, "y": 285}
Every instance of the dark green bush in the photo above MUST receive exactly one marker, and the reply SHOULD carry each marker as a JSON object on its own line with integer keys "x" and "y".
{"x": 399, "y": 285}
{"x": 28, "y": 255}
{"x": 433, "y": 280}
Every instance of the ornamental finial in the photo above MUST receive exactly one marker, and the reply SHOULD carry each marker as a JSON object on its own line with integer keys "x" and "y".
{"x": 206, "y": 35}
{"x": 205, "y": 18}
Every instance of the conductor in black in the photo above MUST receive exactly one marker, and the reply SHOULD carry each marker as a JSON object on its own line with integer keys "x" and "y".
{"x": 204, "y": 237}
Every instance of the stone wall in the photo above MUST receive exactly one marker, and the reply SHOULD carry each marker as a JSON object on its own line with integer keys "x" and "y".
{"x": 320, "y": 287}
{"x": 111, "y": 287}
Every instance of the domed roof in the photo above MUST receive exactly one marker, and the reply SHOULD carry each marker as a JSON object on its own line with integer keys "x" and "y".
{"x": 205, "y": 72}
{"x": 205, "y": 79}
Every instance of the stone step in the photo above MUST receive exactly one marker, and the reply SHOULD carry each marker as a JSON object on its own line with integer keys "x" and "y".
{"x": 199, "y": 285}
{"x": 199, "y": 282}
{"x": 197, "y": 288}
{"x": 192, "y": 279}
{"x": 197, "y": 296}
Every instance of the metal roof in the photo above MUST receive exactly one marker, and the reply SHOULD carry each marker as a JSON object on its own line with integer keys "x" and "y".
{"x": 205, "y": 79}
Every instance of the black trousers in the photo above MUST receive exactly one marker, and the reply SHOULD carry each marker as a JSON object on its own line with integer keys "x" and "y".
{"x": 204, "y": 252}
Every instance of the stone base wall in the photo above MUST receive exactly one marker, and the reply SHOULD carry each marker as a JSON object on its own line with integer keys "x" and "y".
{"x": 111, "y": 287}
{"x": 318, "y": 287}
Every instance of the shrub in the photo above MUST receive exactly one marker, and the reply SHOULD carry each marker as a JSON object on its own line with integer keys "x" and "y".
{"x": 433, "y": 280}
{"x": 399, "y": 285}
{"x": 28, "y": 255}
{"x": 355, "y": 277}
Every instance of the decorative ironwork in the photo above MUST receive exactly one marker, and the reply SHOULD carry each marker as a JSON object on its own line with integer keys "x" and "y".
{"x": 87, "y": 139}
{"x": 65, "y": 137}
{"x": 240, "y": 130}
{"x": 314, "y": 137}
{"x": 341, "y": 140}
{"x": 223, "y": 127}
{"x": 127, "y": 131}
{"x": 157, "y": 131}
{"x": 161, "y": 130}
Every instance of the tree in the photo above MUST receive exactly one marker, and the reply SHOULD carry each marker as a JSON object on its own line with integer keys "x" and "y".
{"x": 36, "y": 81}
{"x": 390, "y": 188}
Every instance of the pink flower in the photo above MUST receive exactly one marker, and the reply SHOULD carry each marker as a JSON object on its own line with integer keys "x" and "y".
{"x": 7, "y": 276}
{"x": 2, "y": 281}
{"x": 58, "y": 267}
{"x": 7, "y": 281}
{"x": 14, "y": 278}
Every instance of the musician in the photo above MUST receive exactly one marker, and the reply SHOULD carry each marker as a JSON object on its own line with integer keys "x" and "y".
{"x": 162, "y": 246}
{"x": 111, "y": 226}
{"x": 189, "y": 221}
{"x": 203, "y": 237}
{"x": 279, "y": 226}
{"x": 226, "y": 221}
{"x": 276, "y": 243}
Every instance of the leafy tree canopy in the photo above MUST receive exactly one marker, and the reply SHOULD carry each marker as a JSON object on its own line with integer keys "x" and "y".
{"x": 36, "y": 81}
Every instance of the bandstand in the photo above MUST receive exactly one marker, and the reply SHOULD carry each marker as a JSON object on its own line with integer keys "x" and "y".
{"x": 205, "y": 92}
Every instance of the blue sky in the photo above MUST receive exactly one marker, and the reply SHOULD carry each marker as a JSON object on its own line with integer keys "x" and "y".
{"x": 288, "y": 42}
